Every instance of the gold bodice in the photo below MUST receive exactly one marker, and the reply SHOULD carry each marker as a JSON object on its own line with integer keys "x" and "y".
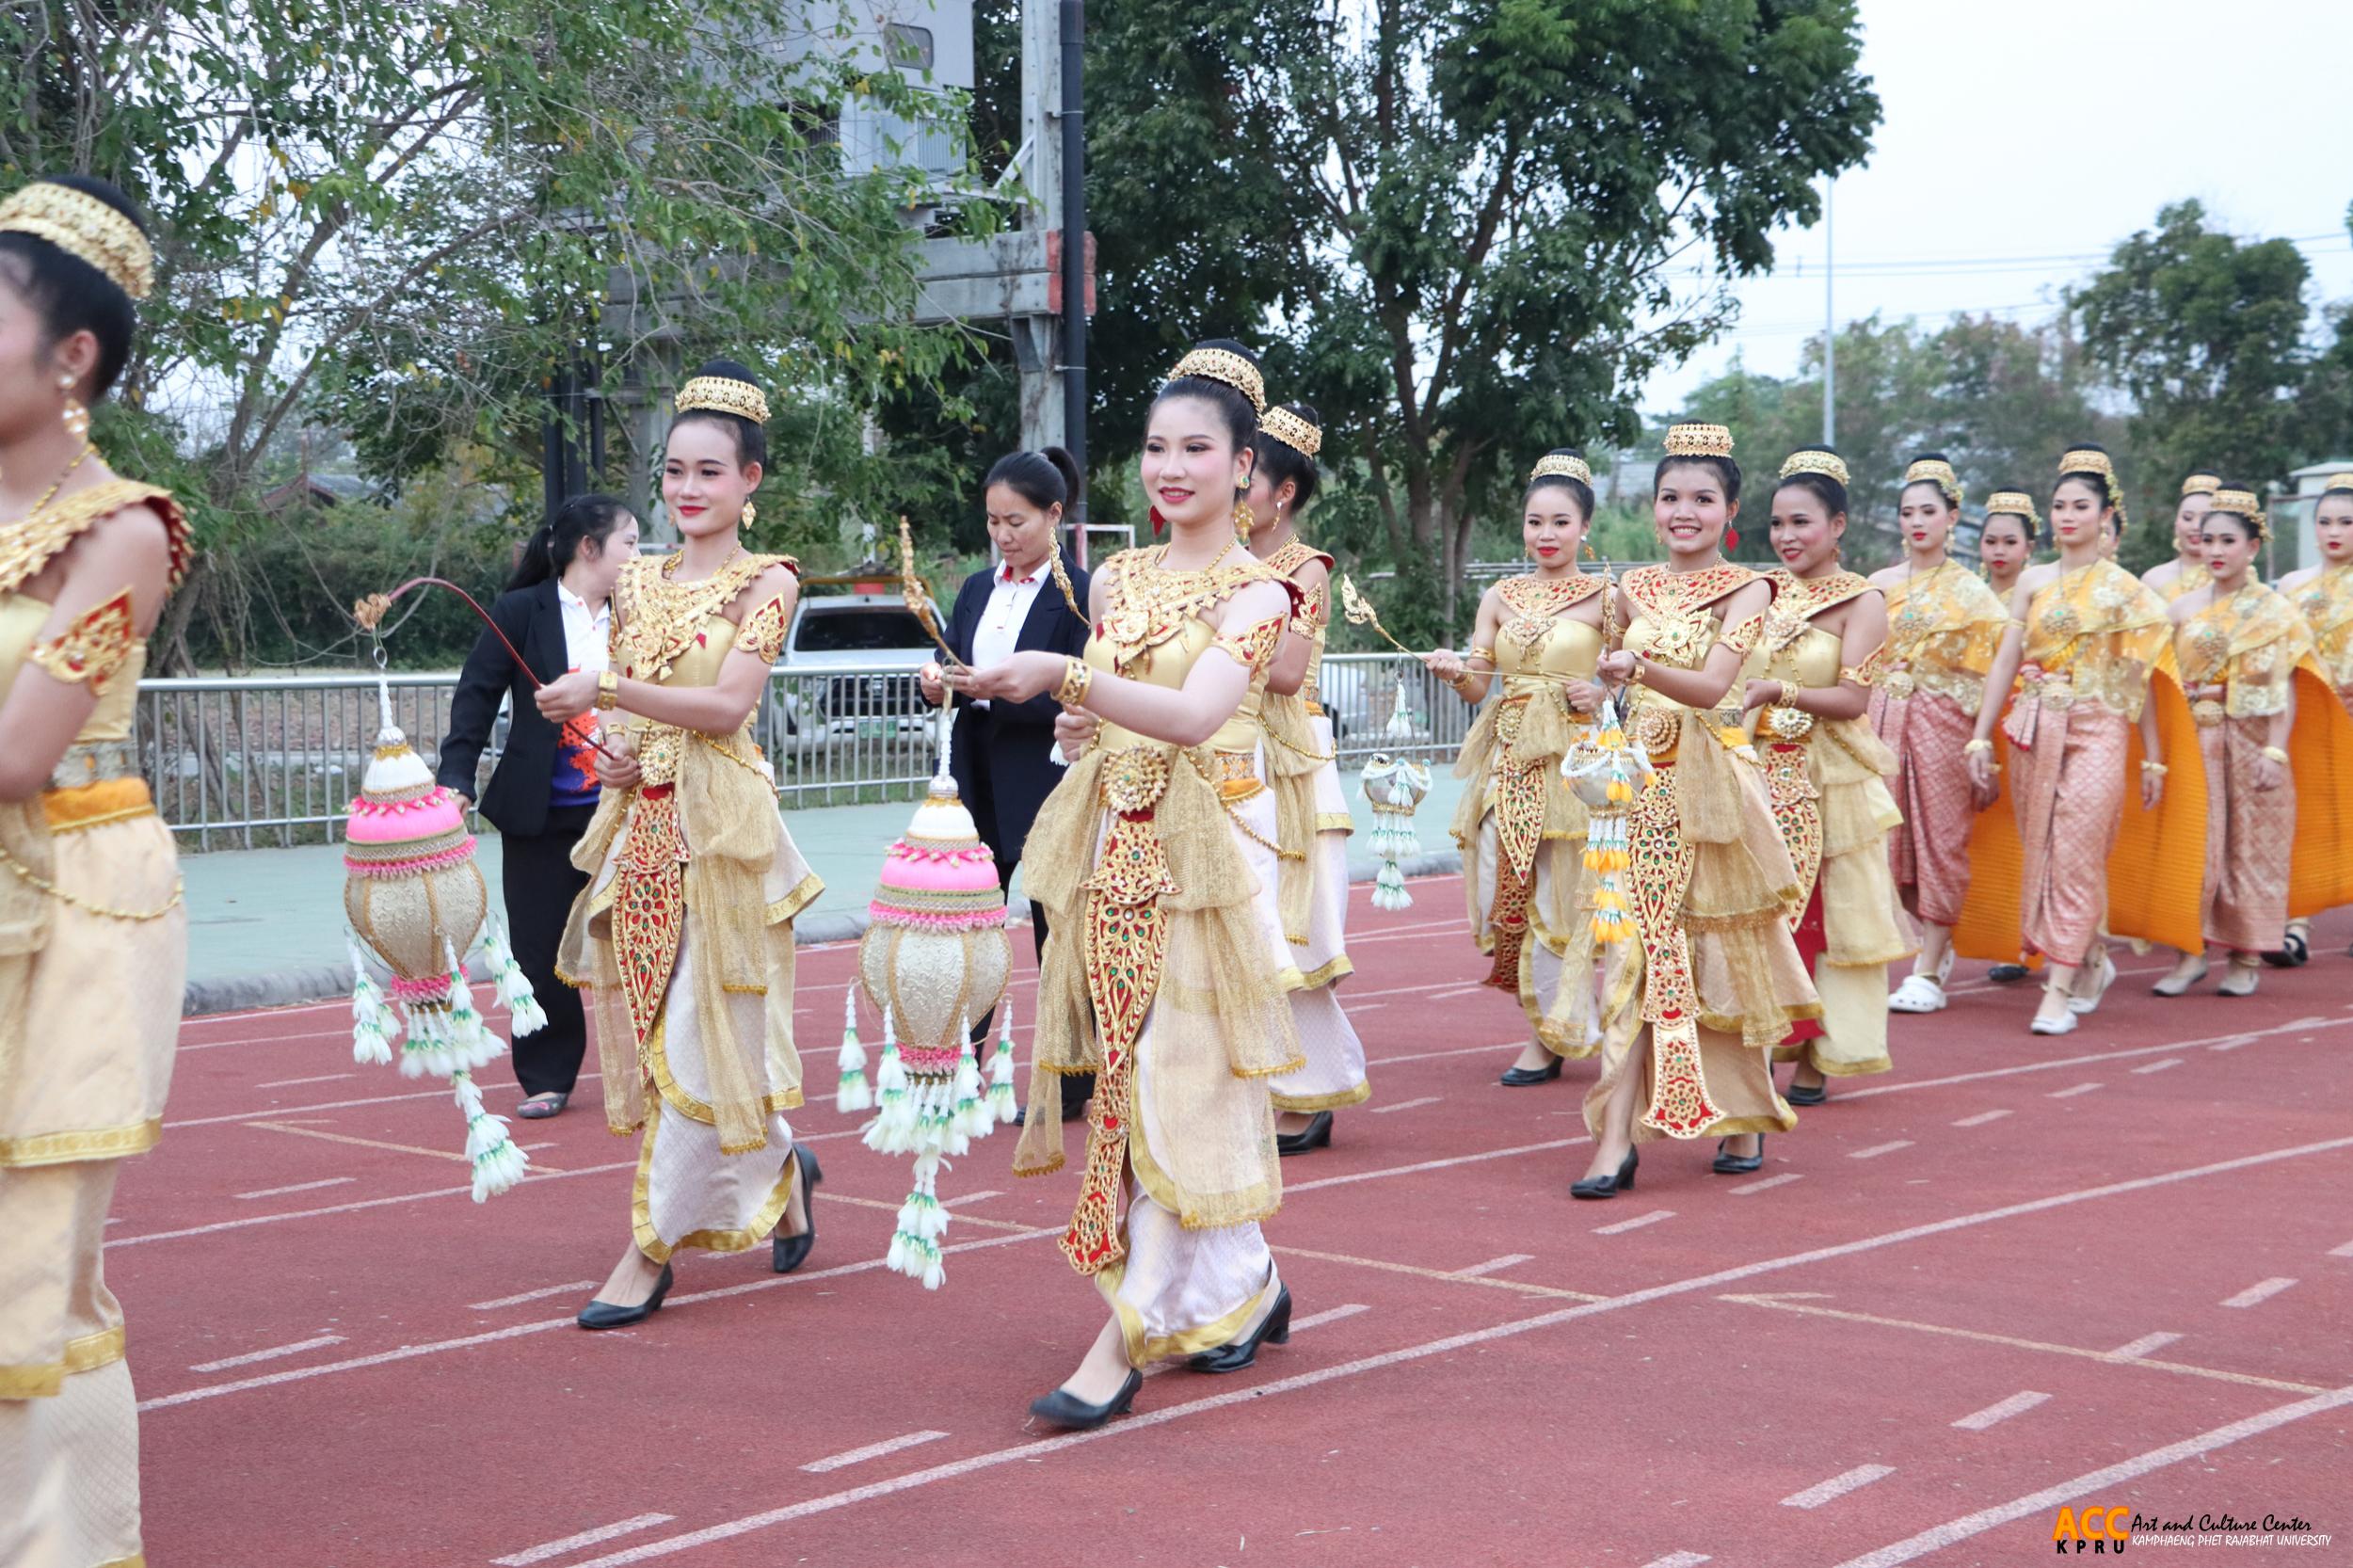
{"x": 1540, "y": 644}
{"x": 2325, "y": 603}
{"x": 1155, "y": 627}
{"x": 1314, "y": 618}
{"x": 1674, "y": 621}
{"x": 1943, "y": 628}
{"x": 21, "y": 618}
{"x": 2095, "y": 633}
{"x": 672, "y": 633}
{"x": 2249, "y": 643}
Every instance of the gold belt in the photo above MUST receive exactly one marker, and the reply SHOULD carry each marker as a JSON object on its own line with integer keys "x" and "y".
{"x": 2208, "y": 712}
{"x": 1898, "y": 686}
{"x": 1235, "y": 773}
{"x": 94, "y": 763}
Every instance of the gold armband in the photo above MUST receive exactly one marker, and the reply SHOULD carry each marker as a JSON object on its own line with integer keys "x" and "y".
{"x": 92, "y": 646}
{"x": 1253, "y": 646}
{"x": 1486, "y": 653}
{"x": 1077, "y": 676}
{"x": 608, "y": 691}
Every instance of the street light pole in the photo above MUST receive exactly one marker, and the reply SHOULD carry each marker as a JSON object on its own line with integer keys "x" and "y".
{"x": 1074, "y": 260}
{"x": 1830, "y": 317}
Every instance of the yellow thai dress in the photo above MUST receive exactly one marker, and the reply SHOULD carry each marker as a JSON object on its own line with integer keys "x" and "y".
{"x": 1943, "y": 628}
{"x": 2259, "y": 649}
{"x": 2192, "y": 577}
{"x": 1167, "y": 975}
{"x": 93, "y": 959}
{"x": 1520, "y": 826}
{"x": 1713, "y": 976}
{"x": 2074, "y": 842}
{"x": 2325, "y": 603}
{"x": 1312, "y": 827}
{"x": 1827, "y": 779}
{"x": 683, "y": 937}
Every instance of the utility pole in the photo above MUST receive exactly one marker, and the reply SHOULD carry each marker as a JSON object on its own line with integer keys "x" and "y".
{"x": 1074, "y": 259}
{"x": 1830, "y": 316}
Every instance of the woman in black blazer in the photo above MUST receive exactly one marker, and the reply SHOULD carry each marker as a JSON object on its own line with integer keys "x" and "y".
{"x": 1002, "y": 752}
{"x": 557, "y": 612}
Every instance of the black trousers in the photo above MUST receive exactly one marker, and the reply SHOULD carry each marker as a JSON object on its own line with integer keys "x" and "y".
{"x": 536, "y": 875}
{"x": 1076, "y": 1088}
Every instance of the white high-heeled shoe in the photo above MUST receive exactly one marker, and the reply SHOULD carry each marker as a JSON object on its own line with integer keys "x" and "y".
{"x": 2084, "y": 1006}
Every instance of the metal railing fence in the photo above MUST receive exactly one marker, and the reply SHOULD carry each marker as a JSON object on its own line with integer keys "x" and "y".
{"x": 253, "y": 762}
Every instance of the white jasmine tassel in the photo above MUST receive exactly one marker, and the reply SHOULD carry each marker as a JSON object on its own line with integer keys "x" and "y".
{"x": 853, "y": 1093}
{"x": 1002, "y": 1103}
{"x": 371, "y": 1023}
{"x": 513, "y": 985}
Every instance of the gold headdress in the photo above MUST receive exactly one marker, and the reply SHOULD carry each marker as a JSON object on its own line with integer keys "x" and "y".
{"x": 1937, "y": 471}
{"x": 1292, "y": 431}
{"x": 2337, "y": 482}
{"x": 724, "y": 394}
{"x": 2087, "y": 460}
{"x": 1697, "y": 441}
{"x": 1813, "y": 460}
{"x": 2201, "y": 484}
{"x": 2245, "y": 504}
{"x": 81, "y": 226}
{"x": 1224, "y": 364}
{"x": 2017, "y": 503}
{"x": 1560, "y": 465}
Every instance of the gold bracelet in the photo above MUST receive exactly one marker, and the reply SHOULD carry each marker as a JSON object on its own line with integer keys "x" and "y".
{"x": 1077, "y": 676}
{"x": 1975, "y": 746}
{"x": 2275, "y": 755}
{"x": 608, "y": 691}
{"x": 2155, "y": 770}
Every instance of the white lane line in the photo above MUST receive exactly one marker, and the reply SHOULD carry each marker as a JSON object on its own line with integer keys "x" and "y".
{"x": 1407, "y": 1104}
{"x": 1420, "y": 1165}
{"x": 2258, "y": 1292}
{"x": 2216, "y": 1042}
{"x": 540, "y": 1294}
{"x": 1430, "y": 1055}
{"x": 1981, "y": 1119}
{"x": 290, "y": 1082}
{"x": 1330, "y": 1314}
{"x": 1458, "y": 991}
{"x": 2098, "y": 1480}
{"x": 1782, "y": 1180}
{"x": 2346, "y": 1251}
{"x": 1635, "y": 1223}
{"x": 1032, "y": 1451}
{"x": 536, "y": 1177}
{"x": 871, "y": 1451}
{"x": 271, "y": 1354}
{"x": 297, "y": 1187}
{"x": 1494, "y": 1265}
{"x": 2160, "y": 1067}
{"x": 2142, "y": 1346}
{"x": 2070, "y": 1094}
{"x": 970, "y": 1197}
{"x": 1837, "y": 1486}
{"x": 1878, "y": 1150}
{"x": 2017, "y": 1404}
{"x": 1678, "y": 1560}
{"x": 585, "y": 1538}
{"x": 2234, "y": 1041}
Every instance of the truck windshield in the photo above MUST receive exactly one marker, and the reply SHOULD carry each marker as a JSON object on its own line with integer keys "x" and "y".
{"x": 877, "y": 629}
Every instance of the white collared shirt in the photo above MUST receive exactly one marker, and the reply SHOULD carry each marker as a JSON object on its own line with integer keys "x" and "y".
{"x": 1008, "y": 606}
{"x": 588, "y": 636}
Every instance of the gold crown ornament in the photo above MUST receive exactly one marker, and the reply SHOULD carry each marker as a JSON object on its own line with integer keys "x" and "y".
{"x": 1937, "y": 471}
{"x": 2016, "y": 503}
{"x": 86, "y": 228}
{"x": 2245, "y": 504}
{"x": 1812, "y": 459}
{"x": 2337, "y": 482}
{"x": 724, "y": 394}
{"x": 1560, "y": 465}
{"x": 1292, "y": 431}
{"x": 2201, "y": 484}
{"x": 1697, "y": 441}
{"x": 2083, "y": 459}
{"x": 1225, "y": 365}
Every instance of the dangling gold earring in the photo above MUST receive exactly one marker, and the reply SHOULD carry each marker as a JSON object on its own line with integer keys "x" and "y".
{"x": 1243, "y": 521}
{"x": 1587, "y": 549}
{"x": 751, "y": 515}
{"x": 76, "y": 417}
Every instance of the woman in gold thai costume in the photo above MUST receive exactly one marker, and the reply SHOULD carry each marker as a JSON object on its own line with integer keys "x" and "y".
{"x": 93, "y": 940}
{"x": 1943, "y": 627}
{"x": 1520, "y": 825}
{"x": 1311, "y": 813}
{"x": 2187, "y": 569}
{"x": 2099, "y": 706}
{"x": 1694, "y": 1005}
{"x": 683, "y": 937}
{"x": 2006, "y": 541}
{"x": 2276, "y": 744}
{"x": 2323, "y": 595}
{"x": 1826, "y": 771}
{"x": 1166, "y": 971}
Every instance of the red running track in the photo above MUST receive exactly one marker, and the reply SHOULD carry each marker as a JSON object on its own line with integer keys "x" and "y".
{"x": 2015, "y": 1274}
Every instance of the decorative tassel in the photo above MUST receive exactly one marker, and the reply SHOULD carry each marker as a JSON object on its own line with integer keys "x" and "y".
{"x": 498, "y": 1164}
{"x": 1002, "y": 1103}
{"x": 893, "y": 1130}
{"x": 371, "y": 1025}
{"x": 853, "y": 1093}
{"x": 513, "y": 985}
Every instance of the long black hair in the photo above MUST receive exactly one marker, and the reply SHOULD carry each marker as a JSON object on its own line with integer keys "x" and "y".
{"x": 1044, "y": 478}
{"x": 1280, "y": 460}
{"x": 70, "y": 295}
{"x": 751, "y": 438}
{"x": 557, "y": 541}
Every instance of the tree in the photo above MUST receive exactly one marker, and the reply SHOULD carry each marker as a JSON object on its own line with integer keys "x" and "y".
{"x": 2205, "y": 333}
{"x": 403, "y": 222}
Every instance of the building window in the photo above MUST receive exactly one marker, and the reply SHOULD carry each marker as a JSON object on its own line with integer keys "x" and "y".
{"x": 908, "y": 48}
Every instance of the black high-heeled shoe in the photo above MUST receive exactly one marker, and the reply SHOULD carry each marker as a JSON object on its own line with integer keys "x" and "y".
{"x": 1739, "y": 1164}
{"x": 788, "y": 1252}
{"x": 1608, "y": 1186}
{"x": 1520, "y": 1078}
{"x": 1275, "y": 1329}
{"x": 605, "y": 1315}
{"x": 1073, "y": 1415}
{"x": 1317, "y": 1134}
{"x": 1807, "y": 1094}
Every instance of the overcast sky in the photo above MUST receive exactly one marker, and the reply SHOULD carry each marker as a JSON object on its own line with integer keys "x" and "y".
{"x": 2053, "y": 129}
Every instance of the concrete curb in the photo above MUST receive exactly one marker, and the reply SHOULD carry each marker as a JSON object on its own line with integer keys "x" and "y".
{"x": 332, "y": 981}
